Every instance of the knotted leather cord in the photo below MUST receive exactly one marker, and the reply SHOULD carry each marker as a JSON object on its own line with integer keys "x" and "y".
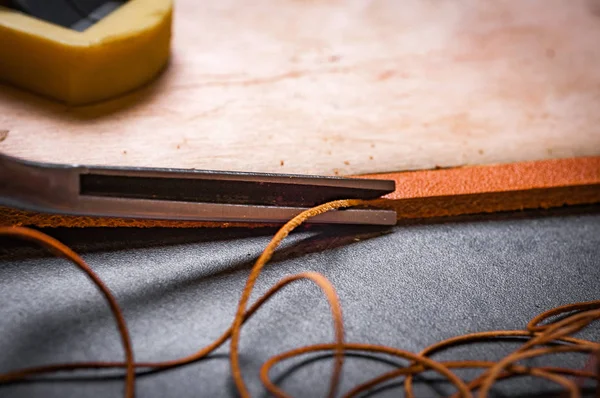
{"x": 466, "y": 339}
{"x": 554, "y": 336}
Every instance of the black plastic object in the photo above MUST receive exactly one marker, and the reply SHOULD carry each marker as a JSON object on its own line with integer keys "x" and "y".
{"x": 73, "y": 14}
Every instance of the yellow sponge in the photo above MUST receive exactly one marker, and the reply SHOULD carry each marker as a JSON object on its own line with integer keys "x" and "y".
{"x": 120, "y": 52}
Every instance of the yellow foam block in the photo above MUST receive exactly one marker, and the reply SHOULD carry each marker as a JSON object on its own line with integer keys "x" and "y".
{"x": 119, "y": 53}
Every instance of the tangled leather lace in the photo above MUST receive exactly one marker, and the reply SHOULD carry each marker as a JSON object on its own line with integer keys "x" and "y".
{"x": 541, "y": 339}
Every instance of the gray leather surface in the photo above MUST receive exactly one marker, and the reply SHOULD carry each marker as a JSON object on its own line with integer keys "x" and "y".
{"x": 408, "y": 286}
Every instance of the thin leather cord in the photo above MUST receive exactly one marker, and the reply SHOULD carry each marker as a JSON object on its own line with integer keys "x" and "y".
{"x": 513, "y": 370}
{"x": 458, "y": 340}
{"x": 61, "y": 250}
{"x": 487, "y": 383}
{"x": 202, "y": 353}
{"x": 336, "y": 310}
{"x": 440, "y": 368}
{"x": 523, "y": 352}
{"x": 534, "y": 324}
{"x": 550, "y": 338}
{"x": 255, "y": 272}
{"x": 547, "y": 373}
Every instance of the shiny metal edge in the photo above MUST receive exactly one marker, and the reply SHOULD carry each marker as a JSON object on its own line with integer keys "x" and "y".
{"x": 209, "y": 212}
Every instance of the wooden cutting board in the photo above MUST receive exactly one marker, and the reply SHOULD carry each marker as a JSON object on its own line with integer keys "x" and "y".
{"x": 342, "y": 87}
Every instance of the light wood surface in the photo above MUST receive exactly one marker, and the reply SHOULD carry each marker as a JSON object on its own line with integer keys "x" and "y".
{"x": 342, "y": 87}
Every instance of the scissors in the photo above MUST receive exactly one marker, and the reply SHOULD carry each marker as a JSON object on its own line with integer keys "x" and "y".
{"x": 184, "y": 194}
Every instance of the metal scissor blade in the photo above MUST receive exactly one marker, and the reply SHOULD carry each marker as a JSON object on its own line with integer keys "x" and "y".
{"x": 178, "y": 194}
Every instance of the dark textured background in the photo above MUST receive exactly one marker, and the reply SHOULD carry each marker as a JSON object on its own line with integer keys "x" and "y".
{"x": 408, "y": 286}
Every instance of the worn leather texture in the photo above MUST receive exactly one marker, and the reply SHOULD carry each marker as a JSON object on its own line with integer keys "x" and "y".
{"x": 407, "y": 286}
